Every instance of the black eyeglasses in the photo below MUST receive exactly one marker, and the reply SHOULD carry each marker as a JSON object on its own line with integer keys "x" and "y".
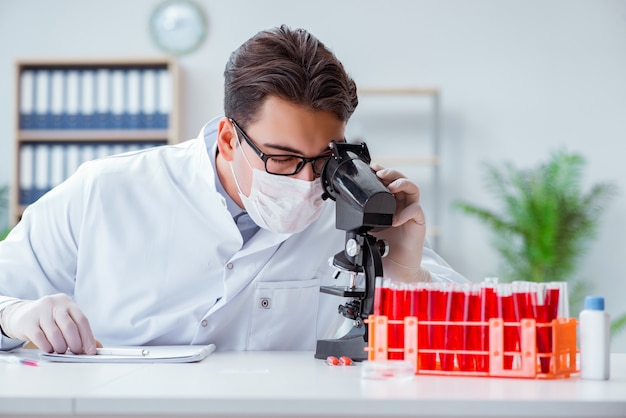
{"x": 285, "y": 164}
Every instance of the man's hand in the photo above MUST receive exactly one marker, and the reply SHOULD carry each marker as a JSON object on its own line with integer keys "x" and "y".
{"x": 408, "y": 232}
{"x": 52, "y": 323}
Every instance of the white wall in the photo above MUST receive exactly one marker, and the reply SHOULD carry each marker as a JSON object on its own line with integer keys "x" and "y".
{"x": 520, "y": 78}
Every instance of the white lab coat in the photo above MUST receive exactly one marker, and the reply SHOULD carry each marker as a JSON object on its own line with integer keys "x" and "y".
{"x": 134, "y": 239}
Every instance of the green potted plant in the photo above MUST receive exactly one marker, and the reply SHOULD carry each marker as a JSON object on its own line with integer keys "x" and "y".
{"x": 4, "y": 203}
{"x": 546, "y": 223}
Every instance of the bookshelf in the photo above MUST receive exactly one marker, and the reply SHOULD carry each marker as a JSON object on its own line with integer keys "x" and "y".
{"x": 69, "y": 111}
{"x": 424, "y": 150}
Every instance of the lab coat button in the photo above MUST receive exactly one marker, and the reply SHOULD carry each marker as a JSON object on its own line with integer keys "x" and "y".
{"x": 204, "y": 322}
{"x": 265, "y": 303}
{"x": 229, "y": 266}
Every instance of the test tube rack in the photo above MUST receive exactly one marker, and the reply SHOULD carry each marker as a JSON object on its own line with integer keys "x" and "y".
{"x": 562, "y": 356}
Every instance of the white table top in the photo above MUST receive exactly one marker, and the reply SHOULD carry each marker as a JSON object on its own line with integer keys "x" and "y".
{"x": 280, "y": 384}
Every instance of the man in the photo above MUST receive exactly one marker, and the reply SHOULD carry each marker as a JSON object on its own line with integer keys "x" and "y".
{"x": 222, "y": 239}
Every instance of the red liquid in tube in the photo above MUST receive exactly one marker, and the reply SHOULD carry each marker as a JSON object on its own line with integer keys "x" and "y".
{"x": 470, "y": 332}
{"x": 455, "y": 299}
{"x": 511, "y": 337}
{"x": 487, "y": 308}
{"x": 427, "y": 361}
{"x": 396, "y": 331}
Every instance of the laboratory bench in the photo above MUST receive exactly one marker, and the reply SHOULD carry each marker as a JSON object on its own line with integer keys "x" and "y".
{"x": 290, "y": 384}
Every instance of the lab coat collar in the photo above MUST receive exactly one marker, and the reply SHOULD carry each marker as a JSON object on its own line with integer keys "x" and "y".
{"x": 262, "y": 245}
{"x": 208, "y": 136}
{"x": 204, "y": 166}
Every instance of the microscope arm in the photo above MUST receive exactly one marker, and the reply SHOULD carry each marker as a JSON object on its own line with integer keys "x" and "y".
{"x": 373, "y": 267}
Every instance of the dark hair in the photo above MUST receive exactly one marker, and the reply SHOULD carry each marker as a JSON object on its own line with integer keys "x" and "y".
{"x": 292, "y": 65}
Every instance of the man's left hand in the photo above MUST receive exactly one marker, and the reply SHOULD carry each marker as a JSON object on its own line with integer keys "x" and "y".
{"x": 408, "y": 232}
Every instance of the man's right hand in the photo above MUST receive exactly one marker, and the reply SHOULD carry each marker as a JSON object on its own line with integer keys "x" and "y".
{"x": 53, "y": 323}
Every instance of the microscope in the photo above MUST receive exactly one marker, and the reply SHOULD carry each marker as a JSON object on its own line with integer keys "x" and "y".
{"x": 363, "y": 204}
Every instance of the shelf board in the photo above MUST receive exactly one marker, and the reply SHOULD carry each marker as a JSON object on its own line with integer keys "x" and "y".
{"x": 93, "y": 135}
{"x": 80, "y": 62}
{"x": 398, "y": 91}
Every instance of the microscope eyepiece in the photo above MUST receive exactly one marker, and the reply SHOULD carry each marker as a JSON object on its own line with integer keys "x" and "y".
{"x": 363, "y": 202}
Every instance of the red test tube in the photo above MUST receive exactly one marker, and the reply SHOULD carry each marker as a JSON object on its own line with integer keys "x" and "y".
{"x": 487, "y": 311}
{"x": 470, "y": 332}
{"x": 455, "y": 299}
{"x": 563, "y": 305}
{"x": 426, "y": 300}
{"x": 378, "y": 296}
{"x": 521, "y": 307}
{"x": 438, "y": 308}
{"x": 505, "y": 307}
{"x": 385, "y": 300}
{"x": 413, "y": 295}
{"x": 398, "y": 311}
{"x": 552, "y": 300}
{"x": 540, "y": 313}
{"x": 386, "y": 303}
{"x": 553, "y": 297}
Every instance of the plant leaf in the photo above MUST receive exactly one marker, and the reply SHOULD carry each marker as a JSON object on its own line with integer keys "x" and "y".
{"x": 618, "y": 324}
{"x": 545, "y": 220}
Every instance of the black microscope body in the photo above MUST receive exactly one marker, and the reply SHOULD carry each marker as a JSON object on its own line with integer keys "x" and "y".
{"x": 363, "y": 203}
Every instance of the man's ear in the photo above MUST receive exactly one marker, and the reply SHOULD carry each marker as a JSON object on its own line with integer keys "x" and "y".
{"x": 226, "y": 139}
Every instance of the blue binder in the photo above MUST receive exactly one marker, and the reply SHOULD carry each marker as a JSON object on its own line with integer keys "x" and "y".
{"x": 133, "y": 98}
{"x": 149, "y": 99}
{"x": 26, "y": 167}
{"x": 42, "y": 99}
{"x": 72, "y": 99}
{"x": 41, "y": 171}
{"x": 88, "y": 87}
{"x": 57, "y": 99}
{"x": 118, "y": 99}
{"x": 164, "y": 99}
{"x": 27, "y": 99}
{"x": 103, "y": 99}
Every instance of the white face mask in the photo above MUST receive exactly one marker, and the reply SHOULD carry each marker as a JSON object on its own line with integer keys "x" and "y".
{"x": 280, "y": 203}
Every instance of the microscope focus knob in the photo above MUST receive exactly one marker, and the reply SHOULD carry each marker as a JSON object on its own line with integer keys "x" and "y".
{"x": 352, "y": 247}
{"x": 383, "y": 247}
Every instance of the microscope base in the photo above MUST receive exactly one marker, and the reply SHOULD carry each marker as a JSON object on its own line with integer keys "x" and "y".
{"x": 352, "y": 345}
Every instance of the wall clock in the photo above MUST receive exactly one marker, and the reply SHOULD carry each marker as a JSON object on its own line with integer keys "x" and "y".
{"x": 178, "y": 26}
